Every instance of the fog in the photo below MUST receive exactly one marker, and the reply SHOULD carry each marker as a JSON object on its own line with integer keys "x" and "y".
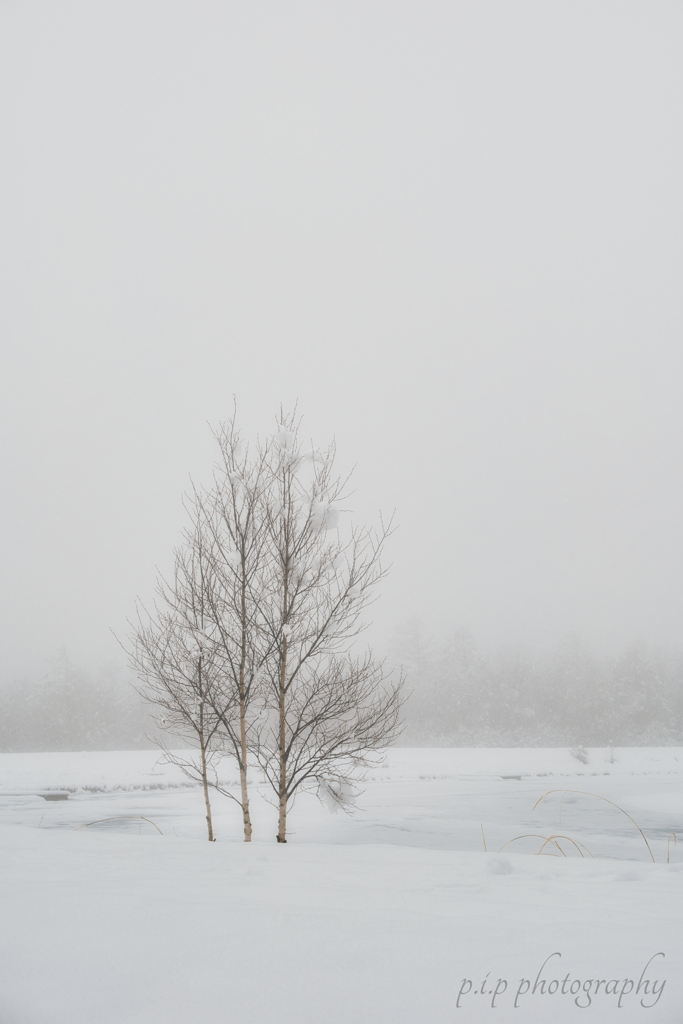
{"x": 451, "y": 231}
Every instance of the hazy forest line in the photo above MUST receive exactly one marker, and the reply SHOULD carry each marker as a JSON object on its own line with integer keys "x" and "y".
{"x": 461, "y": 696}
{"x": 71, "y": 709}
{"x": 518, "y": 697}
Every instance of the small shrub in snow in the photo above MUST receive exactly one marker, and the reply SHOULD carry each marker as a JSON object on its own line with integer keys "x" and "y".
{"x": 580, "y": 753}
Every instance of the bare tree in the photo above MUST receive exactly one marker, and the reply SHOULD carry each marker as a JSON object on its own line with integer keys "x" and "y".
{"x": 178, "y": 664}
{"x": 250, "y": 648}
{"x": 327, "y": 711}
{"x": 232, "y": 517}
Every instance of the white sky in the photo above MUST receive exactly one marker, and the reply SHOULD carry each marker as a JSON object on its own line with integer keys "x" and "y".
{"x": 452, "y": 230}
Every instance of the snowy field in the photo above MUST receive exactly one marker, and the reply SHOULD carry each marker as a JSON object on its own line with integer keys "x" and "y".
{"x": 395, "y": 914}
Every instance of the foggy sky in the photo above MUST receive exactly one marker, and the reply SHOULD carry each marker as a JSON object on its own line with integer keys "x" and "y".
{"x": 451, "y": 230}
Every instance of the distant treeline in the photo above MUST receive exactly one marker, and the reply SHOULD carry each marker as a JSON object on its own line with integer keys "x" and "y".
{"x": 69, "y": 709}
{"x": 463, "y": 697}
{"x": 460, "y": 696}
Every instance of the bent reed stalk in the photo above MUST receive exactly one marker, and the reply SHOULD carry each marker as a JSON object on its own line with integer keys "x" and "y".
{"x": 116, "y": 817}
{"x": 668, "y": 841}
{"x": 582, "y": 792}
{"x": 534, "y": 835}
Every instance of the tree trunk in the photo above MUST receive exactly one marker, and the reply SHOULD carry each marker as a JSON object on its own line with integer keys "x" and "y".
{"x": 282, "y": 749}
{"x": 202, "y": 744}
{"x": 243, "y": 725}
{"x": 243, "y": 771}
{"x": 209, "y": 823}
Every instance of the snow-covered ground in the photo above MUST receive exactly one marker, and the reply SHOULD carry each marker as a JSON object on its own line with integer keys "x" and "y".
{"x": 393, "y": 915}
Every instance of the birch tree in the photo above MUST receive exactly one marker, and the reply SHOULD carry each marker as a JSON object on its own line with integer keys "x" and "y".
{"x": 211, "y": 609}
{"x": 178, "y": 667}
{"x": 327, "y": 711}
{"x": 252, "y": 646}
{"x": 233, "y": 519}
